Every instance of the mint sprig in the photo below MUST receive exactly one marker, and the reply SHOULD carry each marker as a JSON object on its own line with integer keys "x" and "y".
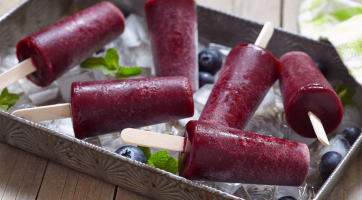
{"x": 345, "y": 93}
{"x": 7, "y": 99}
{"x": 109, "y": 65}
{"x": 160, "y": 160}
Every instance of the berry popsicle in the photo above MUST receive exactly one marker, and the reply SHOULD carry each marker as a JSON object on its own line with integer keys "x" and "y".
{"x": 99, "y": 107}
{"x": 172, "y": 26}
{"x": 49, "y": 53}
{"x": 305, "y": 89}
{"x": 245, "y": 78}
{"x": 212, "y": 152}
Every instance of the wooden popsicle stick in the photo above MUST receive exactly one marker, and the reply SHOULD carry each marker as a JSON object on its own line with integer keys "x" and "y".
{"x": 265, "y": 35}
{"x": 153, "y": 140}
{"x": 57, "y": 111}
{"x": 15, "y": 73}
{"x": 318, "y": 129}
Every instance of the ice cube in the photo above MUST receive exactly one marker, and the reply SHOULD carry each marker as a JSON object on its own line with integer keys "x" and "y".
{"x": 64, "y": 126}
{"x": 75, "y": 75}
{"x": 8, "y": 60}
{"x": 282, "y": 191}
{"x": 338, "y": 144}
{"x": 203, "y": 94}
{"x": 224, "y": 51}
{"x": 260, "y": 191}
{"x": 184, "y": 121}
{"x": 289, "y": 134}
{"x": 111, "y": 141}
{"x": 268, "y": 101}
{"x": 138, "y": 25}
{"x": 260, "y": 126}
{"x": 129, "y": 38}
{"x": 22, "y": 103}
{"x": 39, "y": 95}
{"x": 142, "y": 57}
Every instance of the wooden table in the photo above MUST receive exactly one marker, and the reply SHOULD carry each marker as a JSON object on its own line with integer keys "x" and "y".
{"x": 26, "y": 176}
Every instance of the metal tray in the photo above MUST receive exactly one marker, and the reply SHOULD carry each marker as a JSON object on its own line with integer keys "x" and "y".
{"x": 229, "y": 30}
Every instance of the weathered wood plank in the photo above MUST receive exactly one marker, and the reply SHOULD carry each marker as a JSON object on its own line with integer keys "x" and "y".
{"x": 32, "y": 178}
{"x": 21, "y": 173}
{"x": 89, "y": 187}
{"x": 61, "y": 182}
{"x": 259, "y": 10}
{"x": 53, "y": 182}
{"x": 290, "y": 14}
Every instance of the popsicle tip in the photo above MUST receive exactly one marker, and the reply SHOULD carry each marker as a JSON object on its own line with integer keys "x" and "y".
{"x": 318, "y": 129}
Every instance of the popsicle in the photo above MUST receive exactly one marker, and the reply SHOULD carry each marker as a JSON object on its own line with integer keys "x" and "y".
{"x": 49, "y": 53}
{"x": 212, "y": 152}
{"x": 245, "y": 78}
{"x": 172, "y": 26}
{"x": 99, "y": 107}
{"x": 305, "y": 89}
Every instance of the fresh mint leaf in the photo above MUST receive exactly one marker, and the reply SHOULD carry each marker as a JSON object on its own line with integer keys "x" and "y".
{"x": 109, "y": 65}
{"x": 4, "y": 107}
{"x": 150, "y": 163}
{"x": 8, "y": 99}
{"x": 125, "y": 72}
{"x": 163, "y": 161}
{"x": 159, "y": 159}
{"x": 146, "y": 151}
{"x": 111, "y": 59}
{"x": 171, "y": 165}
{"x": 97, "y": 64}
{"x": 345, "y": 93}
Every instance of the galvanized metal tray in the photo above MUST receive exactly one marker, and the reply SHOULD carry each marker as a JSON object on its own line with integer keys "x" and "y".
{"x": 214, "y": 26}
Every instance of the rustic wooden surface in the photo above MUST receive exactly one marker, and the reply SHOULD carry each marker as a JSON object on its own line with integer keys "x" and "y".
{"x": 26, "y": 176}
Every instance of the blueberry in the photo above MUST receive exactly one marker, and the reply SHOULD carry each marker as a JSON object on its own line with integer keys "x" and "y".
{"x": 204, "y": 78}
{"x": 210, "y": 61}
{"x": 132, "y": 152}
{"x": 287, "y": 198}
{"x": 101, "y": 50}
{"x": 329, "y": 162}
{"x": 351, "y": 134}
{"x": 322, "y": 68}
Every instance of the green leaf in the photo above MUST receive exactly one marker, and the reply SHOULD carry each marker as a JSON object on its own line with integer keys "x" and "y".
{"x": 346, "y": 93}
{"x": 146, "y": 151}
{"x": 159, "y": 159}
{"x": 150, "y": 163}
{"x": 8, "y": 99}
{"x": 97, "y": 64}
{"x": 171, "y": 165}
{"x": 111, "y": 59}
{"x": 125, "y": 72}
{"x": 4, "y": 107}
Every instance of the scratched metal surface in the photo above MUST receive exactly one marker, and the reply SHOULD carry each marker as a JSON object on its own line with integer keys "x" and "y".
{"x": 229, "y": 30}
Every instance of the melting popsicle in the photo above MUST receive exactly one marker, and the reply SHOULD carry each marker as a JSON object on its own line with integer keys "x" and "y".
{"x": 49, "y": 53}
{"x": 212, "y": 152}
{"x": 305, "y": 89}
{"x": 99, "y": 107}
{"x": 172, "y": 26}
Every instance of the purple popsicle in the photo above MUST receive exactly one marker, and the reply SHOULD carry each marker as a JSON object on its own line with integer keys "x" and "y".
{"x": 218, "y": 153}
{"x": 246, "y": 76}
{"x": 56, "y": 49}
{"x": 100, "y": 107}
{"x": 304, "y": 88}
{"x": 172, "y": 26}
